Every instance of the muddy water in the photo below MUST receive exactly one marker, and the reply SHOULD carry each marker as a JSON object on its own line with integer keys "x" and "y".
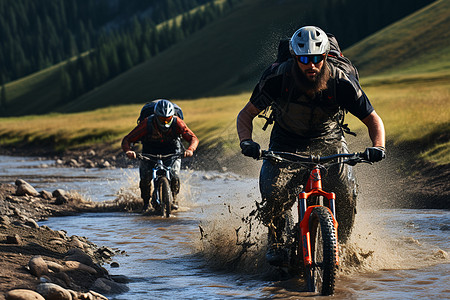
{"x": 205, "y": 250}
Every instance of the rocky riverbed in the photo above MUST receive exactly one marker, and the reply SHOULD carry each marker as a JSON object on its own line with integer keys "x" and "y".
{"x": 40, "y": 263}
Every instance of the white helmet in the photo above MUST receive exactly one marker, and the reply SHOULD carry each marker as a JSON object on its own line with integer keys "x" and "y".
{"x": 164, "y": 111}
{"x": 309, "y": 40}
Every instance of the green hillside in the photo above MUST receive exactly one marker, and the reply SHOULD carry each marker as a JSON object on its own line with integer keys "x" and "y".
{"x": 228, "y": 56}
{"x": 225, "y": 57}
{"x": 406, "y": 90}
{"x": 417, "y": 44}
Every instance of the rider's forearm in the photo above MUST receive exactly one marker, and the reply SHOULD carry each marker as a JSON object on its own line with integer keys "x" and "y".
{"x": 245, "y": 121}
{"x": 193, "y": 143}
{"x": 137, "y": 133}
{"x": 375, "y": 127}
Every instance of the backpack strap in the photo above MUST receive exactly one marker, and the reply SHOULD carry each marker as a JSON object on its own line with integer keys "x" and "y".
{"x": 286, "y": 91}
{"x": 340, "y": 117}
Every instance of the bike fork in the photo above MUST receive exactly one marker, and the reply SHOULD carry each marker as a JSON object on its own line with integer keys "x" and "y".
{"x": 304, "y": 214}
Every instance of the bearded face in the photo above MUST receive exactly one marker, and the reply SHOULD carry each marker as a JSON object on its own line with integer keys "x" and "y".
{"x": 311, "y": 78}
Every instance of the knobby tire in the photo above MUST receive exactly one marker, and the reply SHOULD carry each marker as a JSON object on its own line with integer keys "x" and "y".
{"x": 321, "y": 276}
{"x": 165, "y": 195}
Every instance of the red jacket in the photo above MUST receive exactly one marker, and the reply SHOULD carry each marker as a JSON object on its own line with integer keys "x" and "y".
{"x": 141, "y": 132}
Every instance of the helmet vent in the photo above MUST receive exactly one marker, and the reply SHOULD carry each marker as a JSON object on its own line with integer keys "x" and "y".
{"x": 317, "y": 33}
{"x": 301, "y": 45}
{"x": 319, "y": 44}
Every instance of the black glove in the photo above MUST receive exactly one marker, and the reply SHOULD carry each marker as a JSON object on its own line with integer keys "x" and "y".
{"x": 251, "y": 149}
{"x": 374, "y": 154}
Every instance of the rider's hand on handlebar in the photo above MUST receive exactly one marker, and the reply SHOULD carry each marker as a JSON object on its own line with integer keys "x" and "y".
{"x": 251, "y": 149}
{"x": 374, "y": 154}
{"x": 131, "y": 154}
{"x": 188, "y": 153}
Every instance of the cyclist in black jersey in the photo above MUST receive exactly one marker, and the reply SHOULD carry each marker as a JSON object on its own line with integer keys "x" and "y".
{"x": 309, "y": 96}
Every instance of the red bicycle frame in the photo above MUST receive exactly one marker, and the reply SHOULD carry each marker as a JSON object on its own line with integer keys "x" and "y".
{"x": 313, "y": 188}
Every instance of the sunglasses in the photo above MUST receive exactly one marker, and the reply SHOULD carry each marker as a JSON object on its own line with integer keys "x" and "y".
{"x": 315, "y": 59}
{"x": 165, "y": 120}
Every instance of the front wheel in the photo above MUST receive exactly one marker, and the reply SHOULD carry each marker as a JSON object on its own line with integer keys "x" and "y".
{"x": 321, "y": 275}
{"x": 165, "y": 196}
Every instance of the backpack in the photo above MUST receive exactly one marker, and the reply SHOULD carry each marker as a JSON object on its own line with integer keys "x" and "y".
{"x": 335, "y": 57}
{"x": 149, "y": 109}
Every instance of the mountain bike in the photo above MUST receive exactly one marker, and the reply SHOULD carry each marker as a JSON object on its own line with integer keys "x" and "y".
{"x": 312, "y": 242}
{"x": 162, "y": 196}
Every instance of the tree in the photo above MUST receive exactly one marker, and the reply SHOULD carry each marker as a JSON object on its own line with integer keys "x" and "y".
{"x": 65, "y": 86}
{"x": 3, "y": 104}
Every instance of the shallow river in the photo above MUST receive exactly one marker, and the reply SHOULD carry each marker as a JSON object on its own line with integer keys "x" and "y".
{"x": 199, "y": 253}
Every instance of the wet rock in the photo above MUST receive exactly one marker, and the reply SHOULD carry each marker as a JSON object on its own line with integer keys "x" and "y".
{"x": 45, "y": 278}
{"x": 96, "y": 296}
{"x": 120, "y": 278}
{"x": 52, "y": 291}
{"x": 76, "y": 243}
{"x": 73, "y": 163}
{"x": 78, "y": 255}
{"x": 445, "y": 228}
{"x": 62, "y": 234}
{"x": 46, "y": 195}
{"x": 114, "y": 264}
{"x": 106, "y": 286}
{"x": 5, "y": 220}
{"x": 89, "y": 163}
{"x": 75, "y": 265}
{"x": 38, "y": 266}
{"x": 56, "y": 242}
{"x": 31, "y": 223}
{"x": 75, "y": 295}
{"x": 55, "y": 267}
{"x": 105, "y": 252}
{"x": 105, "y": 164}
{"x": 62, "y": 279}
{"x": 14, "y": 239}
{"x": 22, "y": 294}
{"x": 61, "y": 196}
{"x": 59, "y": 162}
{"x": 24, "y": 188}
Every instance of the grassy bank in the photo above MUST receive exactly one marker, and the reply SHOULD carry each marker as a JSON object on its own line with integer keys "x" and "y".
{"x": 212, "y": 119}
{"x": 415, "y": 111}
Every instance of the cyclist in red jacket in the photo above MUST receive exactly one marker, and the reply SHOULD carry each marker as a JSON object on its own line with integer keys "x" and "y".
{"x": 160, "y": 134}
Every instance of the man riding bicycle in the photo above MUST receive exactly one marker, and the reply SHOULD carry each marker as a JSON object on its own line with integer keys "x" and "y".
{"x": 308, "y": 96}
{"x": 160, "y": 134}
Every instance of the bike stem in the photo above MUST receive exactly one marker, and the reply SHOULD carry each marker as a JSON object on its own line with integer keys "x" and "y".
{"x": 314, "y": 188}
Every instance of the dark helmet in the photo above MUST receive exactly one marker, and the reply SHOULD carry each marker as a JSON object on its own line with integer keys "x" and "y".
{"x": 164, "y": 112}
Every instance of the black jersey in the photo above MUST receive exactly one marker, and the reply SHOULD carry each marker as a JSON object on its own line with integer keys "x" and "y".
{"x": 299, "y": 118}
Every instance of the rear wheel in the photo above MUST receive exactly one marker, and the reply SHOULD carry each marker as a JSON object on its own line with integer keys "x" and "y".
{"x": 165, "y": 196}
{"x": 321, "y": 275}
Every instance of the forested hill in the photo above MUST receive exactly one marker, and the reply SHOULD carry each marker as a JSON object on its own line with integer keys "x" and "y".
{"x": 36, "y": 34}
{"x": 129, "y": 51}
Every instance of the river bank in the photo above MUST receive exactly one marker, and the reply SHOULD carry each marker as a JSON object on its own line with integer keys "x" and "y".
{"x": 421, "y": 184}
{"x": 36, "y": 258}
{"x": 87, "y": 206}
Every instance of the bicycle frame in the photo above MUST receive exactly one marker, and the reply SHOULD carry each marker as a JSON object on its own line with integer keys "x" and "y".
{"x": 313, "y": 188}
{"x": 160, "y": 169}
{"x": 321, "y": 261}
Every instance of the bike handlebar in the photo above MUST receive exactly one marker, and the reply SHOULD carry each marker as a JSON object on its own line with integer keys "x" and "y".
{"x": 279, "y": 156}
{"x": 152, "y": 157}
